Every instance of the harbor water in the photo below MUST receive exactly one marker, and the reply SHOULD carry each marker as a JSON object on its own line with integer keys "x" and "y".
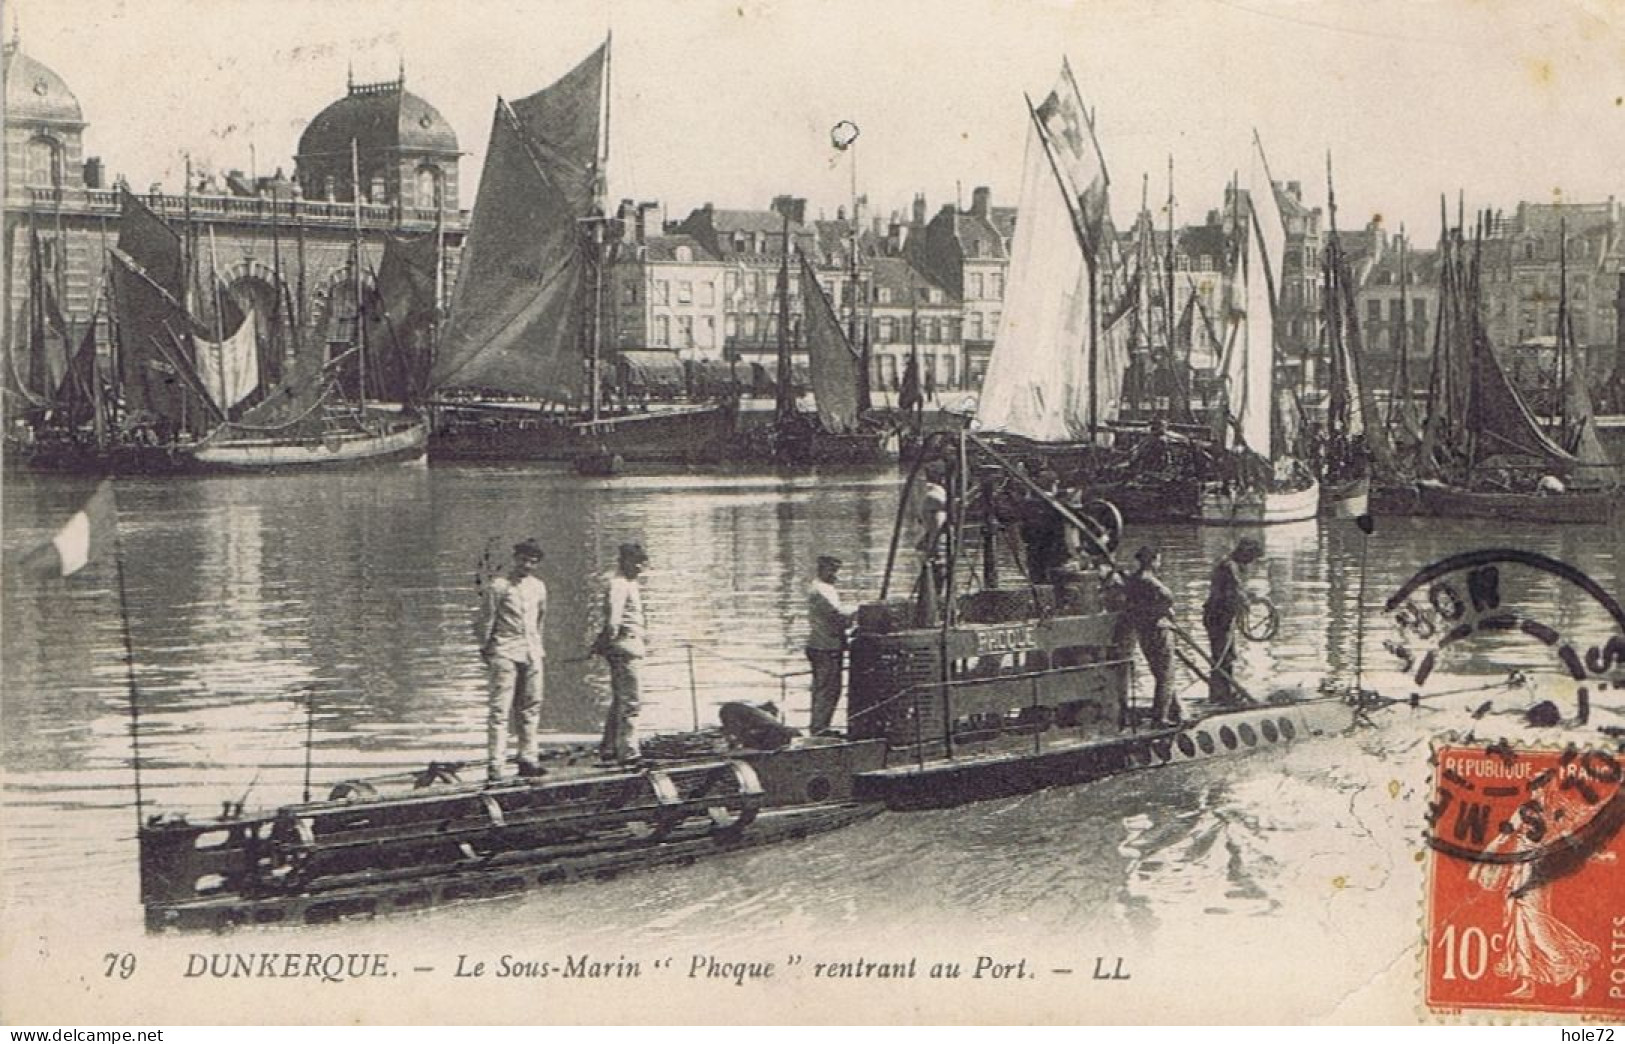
{"x": 271, "y": 620}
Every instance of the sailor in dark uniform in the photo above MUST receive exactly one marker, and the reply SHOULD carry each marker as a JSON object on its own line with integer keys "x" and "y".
{"x": 1147, "y": 603}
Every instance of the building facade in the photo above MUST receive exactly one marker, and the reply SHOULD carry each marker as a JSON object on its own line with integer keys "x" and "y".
{"x": 276, "y": 250}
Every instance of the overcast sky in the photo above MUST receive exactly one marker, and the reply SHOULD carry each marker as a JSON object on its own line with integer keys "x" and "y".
{"x": 732, "y": 102}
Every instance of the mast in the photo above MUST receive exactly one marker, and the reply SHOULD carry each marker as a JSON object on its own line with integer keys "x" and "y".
{"x": 219, "y": 321}
{"x": 783, "y": 404}
{"x": 359, "y": 338}
{"x": 1176, "y": 372}
{"x": 1562, "y": 328}
{"x": 595, "y": 242}
{"x": 1402, "y": 376}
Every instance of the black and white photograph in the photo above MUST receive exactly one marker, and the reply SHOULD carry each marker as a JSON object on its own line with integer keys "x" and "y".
{"x": 811, "y": 512}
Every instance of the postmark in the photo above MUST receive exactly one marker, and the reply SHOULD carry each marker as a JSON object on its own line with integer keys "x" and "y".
{"x": 1525, "y": 907}
{"x": 1485, "y": 602}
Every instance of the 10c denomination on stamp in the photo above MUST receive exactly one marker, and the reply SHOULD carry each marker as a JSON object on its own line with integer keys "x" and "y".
{"x": 1525, "y": 906}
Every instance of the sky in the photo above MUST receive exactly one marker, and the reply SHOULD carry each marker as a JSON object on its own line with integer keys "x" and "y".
{"x": 732, "y": 102}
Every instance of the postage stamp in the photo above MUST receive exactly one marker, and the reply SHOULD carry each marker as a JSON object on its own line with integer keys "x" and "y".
{"x": 1526, "y": 881}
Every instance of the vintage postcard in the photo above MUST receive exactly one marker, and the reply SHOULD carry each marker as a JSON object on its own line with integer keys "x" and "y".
{"x": 786, "y": 511}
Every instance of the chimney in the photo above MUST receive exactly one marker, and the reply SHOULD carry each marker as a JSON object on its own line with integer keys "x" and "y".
{"x": 981, "y": 201}
{"x": 896, "y": 237}
{"x": 641, "y": 221}
{"x": 919, "y": 209}
{"x": 93, "y": 172}
{"x": 860, "y": 211}
{"x": 790, "y": 207}
{"x": 1295, "y": 190}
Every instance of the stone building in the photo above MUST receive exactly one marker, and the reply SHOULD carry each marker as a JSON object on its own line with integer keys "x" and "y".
{"x": 276, "y": 249}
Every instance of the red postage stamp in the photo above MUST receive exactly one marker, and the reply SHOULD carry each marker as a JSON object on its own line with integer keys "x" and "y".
{"x": 1526, "y": 881}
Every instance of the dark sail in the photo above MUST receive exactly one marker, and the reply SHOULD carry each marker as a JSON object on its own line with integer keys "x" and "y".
{"x": 401, "y": 317}
{"x": 156, "y": 366}
{"x": 155, "y": 247}
{"x": 515, "y": 316}
{"x": 77, "y": 396}
{"x": 1498, "y": 417}
{"x": 836, "y": 368}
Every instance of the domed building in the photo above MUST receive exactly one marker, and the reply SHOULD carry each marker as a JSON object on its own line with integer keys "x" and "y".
{"x": 406, "y": 151}
{"x": 44, "y": 126}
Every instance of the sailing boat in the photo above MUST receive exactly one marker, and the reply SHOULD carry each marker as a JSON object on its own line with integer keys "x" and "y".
{"x": 1262, "y": 484}
{"x": 1351, "y": 443}
{"x": 182, "y": 387}
{"x": 838, "y": 432}
{"x": 519, "y": 372}
{"x": 1054, "y": 382}
{"x": 1484, "y": 453}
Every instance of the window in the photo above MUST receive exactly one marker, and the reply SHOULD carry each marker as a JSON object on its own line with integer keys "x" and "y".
{"x": 934, "y": 295}
{"x": 973, "y": 284}
{"x": 662, "y": 291}
{"x": 44, "y": 163}
{"x": 428, "y": 187}
{"x": 995, "y": 286}
{"x": 992, "y": 323}
{"x": 685, "y": 331}
{"x": 685, "y": 292}
{"x": 684, "y": 253}
{"x": 730, "y": 282}
{"x": 629, "y": 293}
{"x": 662, "y": 330}
{"x": 708, "y": 332}
{"x": 885, "y": 332}
{"x": 884, "y": 295}
{"x": 1373, "y": 311}
{"x": 1396, "y": 311}
{"x": 750, "y": 327}
{"x": 708, "y": 293}
{"x": 730, "y": 326}
{"x": 974, "y": 333}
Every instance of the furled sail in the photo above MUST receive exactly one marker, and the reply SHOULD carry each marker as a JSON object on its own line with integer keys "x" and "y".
{"x": 402, "y": 316}
{"x": 836, "y": 369}
{"x": 515, "y": 315}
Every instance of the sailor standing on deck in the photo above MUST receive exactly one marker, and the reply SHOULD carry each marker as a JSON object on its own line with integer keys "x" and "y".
{"x": 510, "y": 636}
{"x": 1147, "y": 603}
{"x": 827, "y": 621}
{"x": 621, "y": 644}
{"x": 1226, "y": 601}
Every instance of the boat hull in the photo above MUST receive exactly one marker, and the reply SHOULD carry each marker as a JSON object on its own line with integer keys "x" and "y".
{"x": 507, "y": 875}
{"x": 398, "y": 442}
{"x": 679, "y": 435}
{"x": 1594, "y": 507}
{"x": 979, "y": 776}
{"x": 1220, "y": 507}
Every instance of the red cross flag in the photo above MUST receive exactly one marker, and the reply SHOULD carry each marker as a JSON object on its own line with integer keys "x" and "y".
{"x": 83, "y": 537}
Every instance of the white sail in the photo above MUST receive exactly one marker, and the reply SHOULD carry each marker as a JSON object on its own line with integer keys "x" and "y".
{"x": 1037, "y": 379}
{"x": 230, "y": 369}
{"x": 1249, "y": 366}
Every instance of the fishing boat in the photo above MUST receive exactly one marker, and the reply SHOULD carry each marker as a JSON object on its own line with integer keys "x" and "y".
{"x": 1054, "y": 380}
{"x": 837, "y": 431}
{"x": 1484, "y": 454}
{"x": 1263, "y": 484}
{"x": 188, "y": 396}
{"x": 1350, "y": 446}
{"x": 521, "y": 371}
